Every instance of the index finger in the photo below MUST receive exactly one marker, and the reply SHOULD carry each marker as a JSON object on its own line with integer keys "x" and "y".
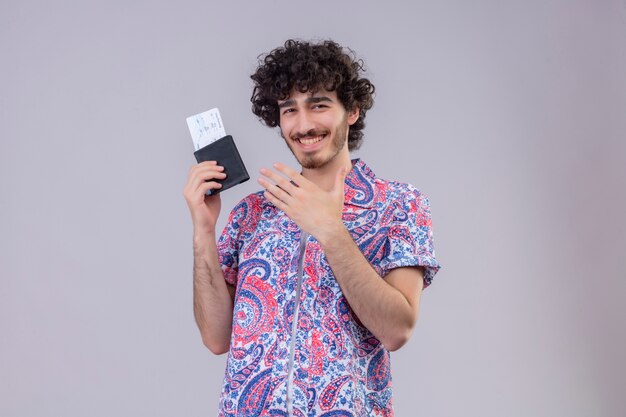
{"x": 205, "y": 163}
{"x": 291, "y": 173}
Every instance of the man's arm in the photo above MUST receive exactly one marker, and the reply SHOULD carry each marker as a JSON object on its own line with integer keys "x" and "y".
{"x": 212, "y": 297}
{"x": 387, "y": 307}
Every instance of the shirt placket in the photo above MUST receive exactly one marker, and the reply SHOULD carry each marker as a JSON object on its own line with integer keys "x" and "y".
{"x": 295, "y": 344}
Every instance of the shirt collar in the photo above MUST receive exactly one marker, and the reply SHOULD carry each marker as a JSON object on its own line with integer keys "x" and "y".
{"x": 360, "y": 185}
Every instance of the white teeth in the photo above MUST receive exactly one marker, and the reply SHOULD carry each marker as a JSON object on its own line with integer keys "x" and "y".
{"x": 311, "y": 141}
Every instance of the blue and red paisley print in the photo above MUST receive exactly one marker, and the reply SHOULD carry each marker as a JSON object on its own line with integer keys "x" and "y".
{"x": 340, "y": 368}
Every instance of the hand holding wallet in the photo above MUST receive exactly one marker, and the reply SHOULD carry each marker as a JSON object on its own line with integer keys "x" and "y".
{"x": 212, "y": 144}
{"x": 226, "y": 154}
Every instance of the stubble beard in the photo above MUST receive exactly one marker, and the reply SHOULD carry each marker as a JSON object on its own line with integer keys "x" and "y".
{"x": 315, "y": 161}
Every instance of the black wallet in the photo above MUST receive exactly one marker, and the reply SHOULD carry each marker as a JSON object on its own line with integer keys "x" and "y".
{"x": 226, "y": 154}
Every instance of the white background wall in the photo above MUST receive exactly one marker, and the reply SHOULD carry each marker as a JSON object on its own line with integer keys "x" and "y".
{"x": 509, "y": 115}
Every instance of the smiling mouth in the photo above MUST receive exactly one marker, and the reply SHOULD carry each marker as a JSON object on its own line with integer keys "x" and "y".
{"x": 310, "y": 140}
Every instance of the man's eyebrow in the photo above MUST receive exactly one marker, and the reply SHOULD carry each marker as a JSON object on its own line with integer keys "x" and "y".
{"x": 318, "y": 99}
{"x": 287, "y": 103}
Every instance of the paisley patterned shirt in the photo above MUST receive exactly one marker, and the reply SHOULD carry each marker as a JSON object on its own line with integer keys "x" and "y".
{"x": 297, "y": 349}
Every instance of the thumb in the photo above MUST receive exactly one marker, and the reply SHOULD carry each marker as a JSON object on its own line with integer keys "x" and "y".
{"x": 340, "y": 179}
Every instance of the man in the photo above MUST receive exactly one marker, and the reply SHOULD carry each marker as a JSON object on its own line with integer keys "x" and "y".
{"x": 317, "y": 277}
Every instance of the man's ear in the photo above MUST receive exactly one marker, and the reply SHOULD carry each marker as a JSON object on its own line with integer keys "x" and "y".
{"x": 353, "y": 115}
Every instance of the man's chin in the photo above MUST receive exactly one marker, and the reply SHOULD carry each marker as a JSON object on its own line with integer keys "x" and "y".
{"x": 311, "y": 163}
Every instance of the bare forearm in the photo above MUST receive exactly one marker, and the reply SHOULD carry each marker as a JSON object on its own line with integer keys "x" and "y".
{"x": 212, "y": 302}
{"x": 381, "y": 308}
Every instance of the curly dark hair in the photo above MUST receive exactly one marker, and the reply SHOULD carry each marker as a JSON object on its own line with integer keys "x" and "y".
{"x": 310, "y": 67}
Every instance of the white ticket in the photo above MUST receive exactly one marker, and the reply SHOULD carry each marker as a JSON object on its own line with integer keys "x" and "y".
{"x": 206, "y": 127}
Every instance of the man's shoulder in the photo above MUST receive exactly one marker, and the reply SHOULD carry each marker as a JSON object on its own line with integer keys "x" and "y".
{"x": 391, "y": 188}
{"x": 248, "y": 205}
{"x": 366, "y": 189}
{"x": 256, "y": 199}
{"x": 397, "y": 186}
{"x": 392, "y": 191}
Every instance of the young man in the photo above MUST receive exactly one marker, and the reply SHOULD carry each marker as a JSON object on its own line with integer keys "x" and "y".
{"x": 317, "y": 277}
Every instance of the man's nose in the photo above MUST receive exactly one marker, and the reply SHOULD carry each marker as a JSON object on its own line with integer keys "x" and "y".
{"x": 304, "y": 122}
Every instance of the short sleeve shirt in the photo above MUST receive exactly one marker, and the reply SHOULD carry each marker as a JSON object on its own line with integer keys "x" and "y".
{"x": 312, "y": 351}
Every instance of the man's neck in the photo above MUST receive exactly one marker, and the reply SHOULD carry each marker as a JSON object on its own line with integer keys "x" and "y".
{"x": 325, "y": 176}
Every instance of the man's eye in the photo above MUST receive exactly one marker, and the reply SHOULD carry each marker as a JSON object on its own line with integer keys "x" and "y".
{"x": 287, "y": 111}
{"x": 319, "y": 106}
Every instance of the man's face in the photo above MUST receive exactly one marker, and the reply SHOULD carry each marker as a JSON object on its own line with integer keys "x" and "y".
{"x": 315, "y": 126}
